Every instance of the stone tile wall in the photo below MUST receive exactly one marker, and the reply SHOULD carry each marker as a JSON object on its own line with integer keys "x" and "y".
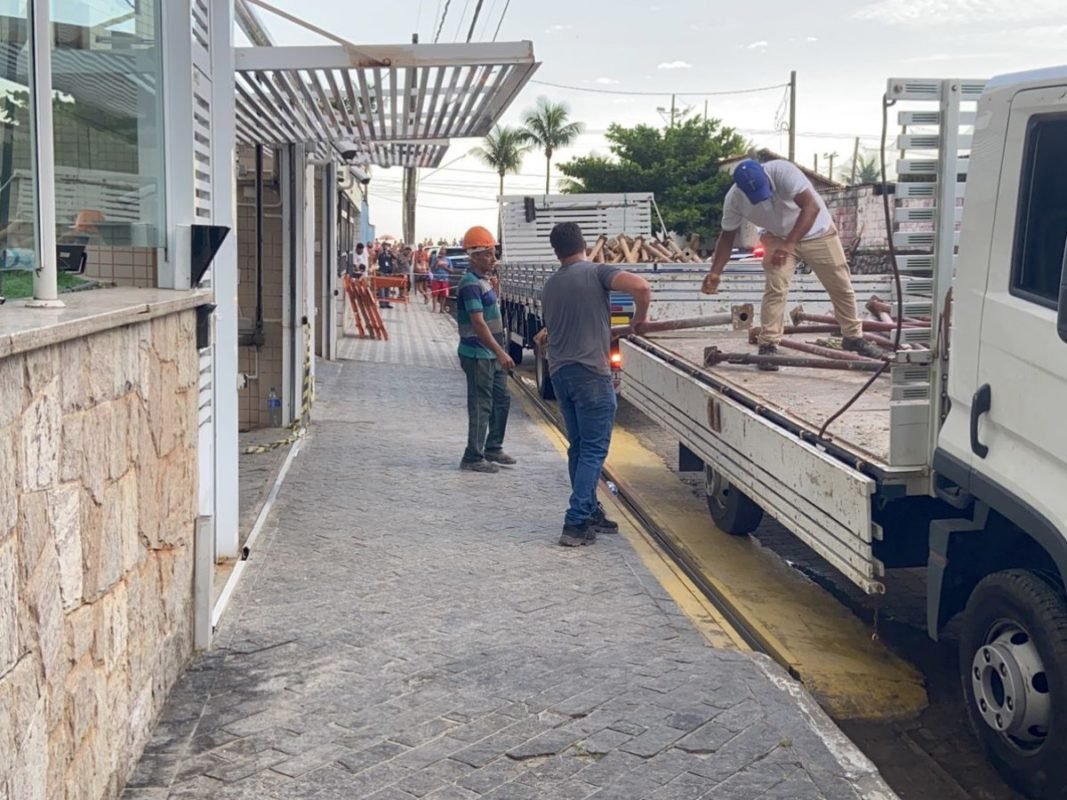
{"x": 98, "y": 488}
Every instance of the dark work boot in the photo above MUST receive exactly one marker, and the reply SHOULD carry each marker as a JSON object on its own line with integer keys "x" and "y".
{"x": 600, "y": 522}
{"x": 577, "y": 535}
{"x": 859, "y": 345}
{"x": 768, "y": 350}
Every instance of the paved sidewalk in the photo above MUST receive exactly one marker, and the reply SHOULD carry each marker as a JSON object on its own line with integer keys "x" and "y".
{"x": 408, "y": 630}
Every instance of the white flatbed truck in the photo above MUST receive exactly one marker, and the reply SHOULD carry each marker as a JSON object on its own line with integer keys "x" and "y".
{"x": 957, "y": 461}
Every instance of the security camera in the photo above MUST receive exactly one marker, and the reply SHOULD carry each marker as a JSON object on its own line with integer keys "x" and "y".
{"x": 348, "y": 149}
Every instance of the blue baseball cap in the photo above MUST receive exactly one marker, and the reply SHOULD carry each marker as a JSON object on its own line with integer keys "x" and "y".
{"x": 751, "y": 178}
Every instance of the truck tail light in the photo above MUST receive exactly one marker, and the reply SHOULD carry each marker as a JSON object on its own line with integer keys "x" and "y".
{"x": 616, "y": 360}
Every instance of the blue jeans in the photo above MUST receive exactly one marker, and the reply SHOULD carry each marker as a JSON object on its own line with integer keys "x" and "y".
{"x": 587, "y": 401}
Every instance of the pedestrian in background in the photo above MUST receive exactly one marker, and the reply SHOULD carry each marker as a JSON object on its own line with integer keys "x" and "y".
{"x": 483, "y": 356}
{"x": 440, "y": 272}
{"x": 386, "y": 266}
{"x": 577, "y": 309}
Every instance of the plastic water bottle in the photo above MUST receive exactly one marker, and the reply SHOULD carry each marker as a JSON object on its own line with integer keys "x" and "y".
{"x": 274, "y": 404}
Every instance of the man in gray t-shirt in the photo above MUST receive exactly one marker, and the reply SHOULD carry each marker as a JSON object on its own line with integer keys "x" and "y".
{"x": 577, "y": 312}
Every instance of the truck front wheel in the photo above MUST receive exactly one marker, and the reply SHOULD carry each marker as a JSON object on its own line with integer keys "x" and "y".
{"x": 731, "y": 509}
{"x": 1013, "y": 663}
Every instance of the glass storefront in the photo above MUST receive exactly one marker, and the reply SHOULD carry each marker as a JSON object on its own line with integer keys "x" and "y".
{"x": 17, "y": 209}
{"x": 108, "y": 118}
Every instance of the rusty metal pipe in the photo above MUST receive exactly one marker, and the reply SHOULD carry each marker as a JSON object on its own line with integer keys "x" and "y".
{"x": 714, "y": 356}
{"x": 825, "y": 352}
{"x": 740, "y": 317}
{"x": 884, "y": 312}
{"x": 799, "y": 316}
{"x": 881, "y": 341}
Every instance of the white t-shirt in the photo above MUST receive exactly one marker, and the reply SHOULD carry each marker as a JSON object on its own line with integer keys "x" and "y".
{"x": 777, "y": 214}
{"x": 361, "y": 259}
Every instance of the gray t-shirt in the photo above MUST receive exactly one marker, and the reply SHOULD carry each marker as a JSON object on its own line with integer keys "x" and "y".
{"x": 577, "y": 307}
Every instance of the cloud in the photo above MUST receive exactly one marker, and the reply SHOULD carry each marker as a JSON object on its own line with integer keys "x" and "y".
{"x": 762, "y": 44}
{"x": 950, "y": 12}
{"x": 606, "y": 81}
{"x": 675, "y": 65}
{"x": 811, "y": 39}
{"x": 557, "y": 28}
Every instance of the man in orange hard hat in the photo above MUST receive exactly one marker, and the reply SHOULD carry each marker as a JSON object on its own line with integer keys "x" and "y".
{"x": 484, "y": 357}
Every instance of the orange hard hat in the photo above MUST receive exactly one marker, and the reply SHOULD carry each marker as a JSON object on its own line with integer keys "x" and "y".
{"x": 477, "y": 238}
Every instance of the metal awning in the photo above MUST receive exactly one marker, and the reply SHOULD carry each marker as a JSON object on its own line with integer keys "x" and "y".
{"x": 400, "y": 105}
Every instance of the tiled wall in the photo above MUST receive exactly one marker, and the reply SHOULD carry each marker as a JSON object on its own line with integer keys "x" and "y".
{"x": 266, "y": 361}
{"x": 123, "y": 266}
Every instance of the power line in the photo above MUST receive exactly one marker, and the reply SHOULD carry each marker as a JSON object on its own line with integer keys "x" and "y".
{"x": 459, "y": 23}
{"x": 660, "y": 94}
{"x": 474, "y": 20}
{"x": 507, "y": 5}
{"x": 441, "y": 24}
{"x": 485, "y": 21}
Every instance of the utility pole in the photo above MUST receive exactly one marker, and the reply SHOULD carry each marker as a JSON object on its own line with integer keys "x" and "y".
{"x": 793, "y": 117}
{"x": 855, "y": 159}
{"x": 672, "y": 110}
{"x": 830, "y": 157}
{"x": 816, "y": 163}
{"x": 410, "y": 182}
{"x": 705, "y": 110}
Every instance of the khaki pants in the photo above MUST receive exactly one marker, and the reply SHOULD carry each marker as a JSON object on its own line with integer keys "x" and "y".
{"x": 826, "y": 257}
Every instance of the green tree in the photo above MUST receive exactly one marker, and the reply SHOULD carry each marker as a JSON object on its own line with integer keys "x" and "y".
{"x": 548, "y": 126}
{"x": 502, "y": 150}
{"x": 680, "y": 164}
{"x": 867, "y": 171}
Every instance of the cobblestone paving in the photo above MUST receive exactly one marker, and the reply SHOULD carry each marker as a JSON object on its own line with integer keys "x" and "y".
{"x": 407, "y": 630}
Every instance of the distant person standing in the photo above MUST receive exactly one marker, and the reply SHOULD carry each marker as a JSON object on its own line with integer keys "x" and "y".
{"x": 483, "y": 356}
{"x": 358, "y": 265}
{"x": 386, "y": 266}
{"x": 440, "y": 271}
{"x": 779, "y": 198}
{"x": 577, "y": 309}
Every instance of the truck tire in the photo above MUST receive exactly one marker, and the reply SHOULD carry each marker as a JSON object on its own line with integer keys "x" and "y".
{"x": 1013, "y": 664}
{"x": 515, "y": 351}
{"x": 544, "y": 381}
{"x": 733, "y": 511}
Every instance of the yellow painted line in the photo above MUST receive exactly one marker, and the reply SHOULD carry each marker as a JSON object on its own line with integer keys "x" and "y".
{"x": 702, "y": 613}
{"x": 800, "y": 625}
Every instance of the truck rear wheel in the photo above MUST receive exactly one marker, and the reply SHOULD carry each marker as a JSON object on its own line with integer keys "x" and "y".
{"x": 544, "y": 381}
{"x": 733, "y": 511}
{"x": 1013, "y": 664}
{"x": 515, "y": 351}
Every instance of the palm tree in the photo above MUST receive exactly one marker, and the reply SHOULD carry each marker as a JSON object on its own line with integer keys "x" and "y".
{"x": 547, "y": 127}
{"x": 867, "y": 171}
{"x": 502, "y": 151}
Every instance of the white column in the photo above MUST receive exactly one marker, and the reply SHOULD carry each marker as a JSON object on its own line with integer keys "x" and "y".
{"x": 329, "y": 264}
{"x": 45, "y": 282}
{"x": 174, "y": 261}
{"x": 224, "y": 278}
{"x": 306, "y": 356}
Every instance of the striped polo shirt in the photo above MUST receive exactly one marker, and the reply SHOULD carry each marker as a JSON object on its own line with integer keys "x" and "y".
{"x": 475, "y": 294}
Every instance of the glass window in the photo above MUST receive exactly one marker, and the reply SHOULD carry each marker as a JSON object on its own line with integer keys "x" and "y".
{"x": 1042, "y": 222}
{"x": 17, "y": 208}
{"x": 107, "y": 105}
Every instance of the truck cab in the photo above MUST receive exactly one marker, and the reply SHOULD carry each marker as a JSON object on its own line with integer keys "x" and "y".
{"x": 1001, "y": 454}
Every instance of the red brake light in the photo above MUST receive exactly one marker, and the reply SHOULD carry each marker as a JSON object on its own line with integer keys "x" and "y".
{"x": 616, "y": 360}
{"x": 758, "y": 251}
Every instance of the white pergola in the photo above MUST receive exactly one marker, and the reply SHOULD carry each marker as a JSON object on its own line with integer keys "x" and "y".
{"x": 398, "y": 105}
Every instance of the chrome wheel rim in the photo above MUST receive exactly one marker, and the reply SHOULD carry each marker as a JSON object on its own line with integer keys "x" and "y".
{"x": 1011, "y": 689}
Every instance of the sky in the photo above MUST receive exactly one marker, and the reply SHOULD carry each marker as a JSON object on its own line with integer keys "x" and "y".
{"x": 843, "y": 53}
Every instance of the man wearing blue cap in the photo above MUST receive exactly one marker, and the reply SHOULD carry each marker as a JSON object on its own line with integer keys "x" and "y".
{"x": 780, "y": 199}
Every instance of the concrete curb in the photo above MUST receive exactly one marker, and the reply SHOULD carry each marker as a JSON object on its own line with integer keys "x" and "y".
{"x": 860, "y": 771}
